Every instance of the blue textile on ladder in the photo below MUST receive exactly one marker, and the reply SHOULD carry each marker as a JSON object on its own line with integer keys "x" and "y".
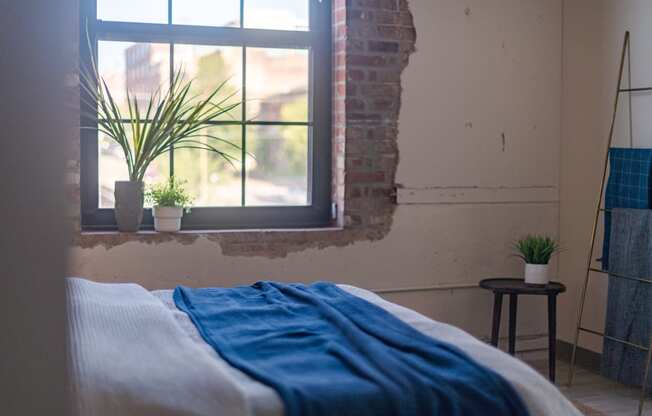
{"x": 327, "y": 352}
{"x": 629, "y": 303}
{"x": 628, "y": 187}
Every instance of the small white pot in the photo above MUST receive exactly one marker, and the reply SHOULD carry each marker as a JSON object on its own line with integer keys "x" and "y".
{"x": 536, "y": 274}
{"x": 167, "y": 219}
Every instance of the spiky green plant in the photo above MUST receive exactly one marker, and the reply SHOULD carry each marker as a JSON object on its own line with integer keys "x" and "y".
{"x": 174, "y": 119}
{"x": 536, "y": 249}
{"x": 171, "y": 193}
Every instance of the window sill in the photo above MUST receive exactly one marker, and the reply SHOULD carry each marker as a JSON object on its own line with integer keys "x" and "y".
{"x": 211, "y": 232}
{"x": 268, "y": 242}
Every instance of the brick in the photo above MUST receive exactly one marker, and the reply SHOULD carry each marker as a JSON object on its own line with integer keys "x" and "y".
{"x": 353, "y": 15}
{"x": 352, "y": 117}
{"x": 408, "y": 33}
{"x": 384, "y": 105}
{"x": 366, "y": 60}
{"x": 384, "y": 90}
{"x": 383, "y": 46}
{"x": 355, "y": 46}
{"x": 388, "y": 32}
{"x": 364, "y": 177}
{"x": 339, "y": 14}
{"x": 389, "y": 4}
{"x": 406, "y": 19}
{"x": 355, "y": 75}
{"x": 371, "y": 4}
{"x": 354, "y": 105}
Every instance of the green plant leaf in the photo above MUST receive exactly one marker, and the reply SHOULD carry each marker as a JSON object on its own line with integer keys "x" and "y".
{"x": 173, "y": 119}
{"x": 171, "y": 193}
{"x": 536, "y": 249}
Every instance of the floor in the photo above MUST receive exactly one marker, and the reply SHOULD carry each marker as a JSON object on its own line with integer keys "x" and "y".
{"x": 597, "y": 393}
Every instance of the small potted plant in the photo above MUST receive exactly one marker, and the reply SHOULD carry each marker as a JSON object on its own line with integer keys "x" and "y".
{"x": 169, "y": 201}
{"x": 536, "y": 251}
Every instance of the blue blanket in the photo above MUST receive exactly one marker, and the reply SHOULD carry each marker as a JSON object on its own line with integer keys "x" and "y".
{"x": 629, "y": 186}
{"x": 327, "y": 352}
{"x": 629, "y": 303}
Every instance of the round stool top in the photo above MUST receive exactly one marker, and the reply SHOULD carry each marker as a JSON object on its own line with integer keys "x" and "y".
{"x": 518, "y": 286}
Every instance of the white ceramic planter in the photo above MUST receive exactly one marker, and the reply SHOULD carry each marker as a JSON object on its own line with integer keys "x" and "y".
{"x": 167, "y": 219}
{"x": 536, "y": 274}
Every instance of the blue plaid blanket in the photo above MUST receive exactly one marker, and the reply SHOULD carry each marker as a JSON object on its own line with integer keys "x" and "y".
{"x": 628, "y": 187}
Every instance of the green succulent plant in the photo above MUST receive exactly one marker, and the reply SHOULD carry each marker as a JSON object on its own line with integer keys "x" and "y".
{"x": 536, "y": 249}
{"x": 169, "y": 194}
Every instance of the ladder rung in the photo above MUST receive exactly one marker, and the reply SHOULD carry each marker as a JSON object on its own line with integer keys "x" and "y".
{"x": 636, "y": 89}
{"x": 621, "y": 276}
{"x": 622, "y": 341}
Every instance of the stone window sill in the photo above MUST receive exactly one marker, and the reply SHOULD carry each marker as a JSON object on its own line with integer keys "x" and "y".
{"x": 246, "y": 240}
{"x": 209, "y": 232}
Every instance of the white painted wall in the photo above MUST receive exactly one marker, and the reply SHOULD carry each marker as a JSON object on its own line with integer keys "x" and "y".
{"x": 593, "y": 37}
{"x": 482, "y": 68}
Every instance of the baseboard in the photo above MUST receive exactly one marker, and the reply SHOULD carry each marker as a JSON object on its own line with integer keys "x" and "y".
{"x": 587, "y": 359}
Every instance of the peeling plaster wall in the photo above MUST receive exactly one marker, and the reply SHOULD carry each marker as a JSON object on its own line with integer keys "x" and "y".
{"x": 593, "y": 37}
{"x": 480, "y": 118}
{"x": 481, "y": 98}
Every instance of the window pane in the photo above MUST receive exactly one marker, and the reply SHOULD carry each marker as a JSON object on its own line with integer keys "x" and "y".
{"x": 276, "y": 14}
{"x": 208, "y": 67}
{"x": 140, "y": 68}
{"x": 140, "y": 11}
{"x": 277, "y": 84}
{"x": 211, "y": 180}
{"x": 113, "y": 167}
{"x": 277, "y": 174}
{"x": 206, "y": 12}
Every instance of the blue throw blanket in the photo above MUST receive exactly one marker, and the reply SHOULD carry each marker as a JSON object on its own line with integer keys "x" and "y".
{"x": 628, "y": 187}
{"x": 327, "y": 352}
{"x": 629, "y": 303}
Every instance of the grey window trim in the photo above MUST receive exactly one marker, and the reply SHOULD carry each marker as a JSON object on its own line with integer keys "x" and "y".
{"x": 317, "y": 40}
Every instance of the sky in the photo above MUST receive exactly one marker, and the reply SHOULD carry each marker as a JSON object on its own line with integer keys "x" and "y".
{"x": 272, "y": 14}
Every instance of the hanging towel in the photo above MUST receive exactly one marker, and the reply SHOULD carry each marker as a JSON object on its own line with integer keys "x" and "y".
{"x": 628, "y": 187}
{"x": 629, "y": 303}
{"x": 327, "y": 352}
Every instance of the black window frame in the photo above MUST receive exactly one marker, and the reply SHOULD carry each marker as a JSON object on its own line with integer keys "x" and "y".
{"x": 317, "y": 40}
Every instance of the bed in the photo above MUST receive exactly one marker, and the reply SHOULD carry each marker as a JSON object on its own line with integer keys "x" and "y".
{"x": 134, "y": 352}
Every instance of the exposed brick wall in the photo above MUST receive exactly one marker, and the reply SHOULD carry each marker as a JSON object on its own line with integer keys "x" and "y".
{"x": 372, "y": 42}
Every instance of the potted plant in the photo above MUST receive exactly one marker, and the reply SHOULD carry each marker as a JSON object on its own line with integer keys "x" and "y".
{"x": 536, "y": 251}
{"x": 175, "y": 119}
{"x": 169, "y": 201}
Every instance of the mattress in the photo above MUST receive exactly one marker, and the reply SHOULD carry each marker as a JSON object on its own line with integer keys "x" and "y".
{"x": 134, "y": 353}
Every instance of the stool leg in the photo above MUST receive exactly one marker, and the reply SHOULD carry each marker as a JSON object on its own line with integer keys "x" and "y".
{"x": 513, "y": 305}
{"x": 552, "y": 336}
{"x": 495, "y": 326}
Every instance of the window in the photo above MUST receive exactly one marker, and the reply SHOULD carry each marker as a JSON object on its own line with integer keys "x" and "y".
{"x": 275, "y": 55}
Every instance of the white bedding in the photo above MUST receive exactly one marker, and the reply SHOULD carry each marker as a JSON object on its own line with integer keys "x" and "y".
{"x": 134, "y": 353}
